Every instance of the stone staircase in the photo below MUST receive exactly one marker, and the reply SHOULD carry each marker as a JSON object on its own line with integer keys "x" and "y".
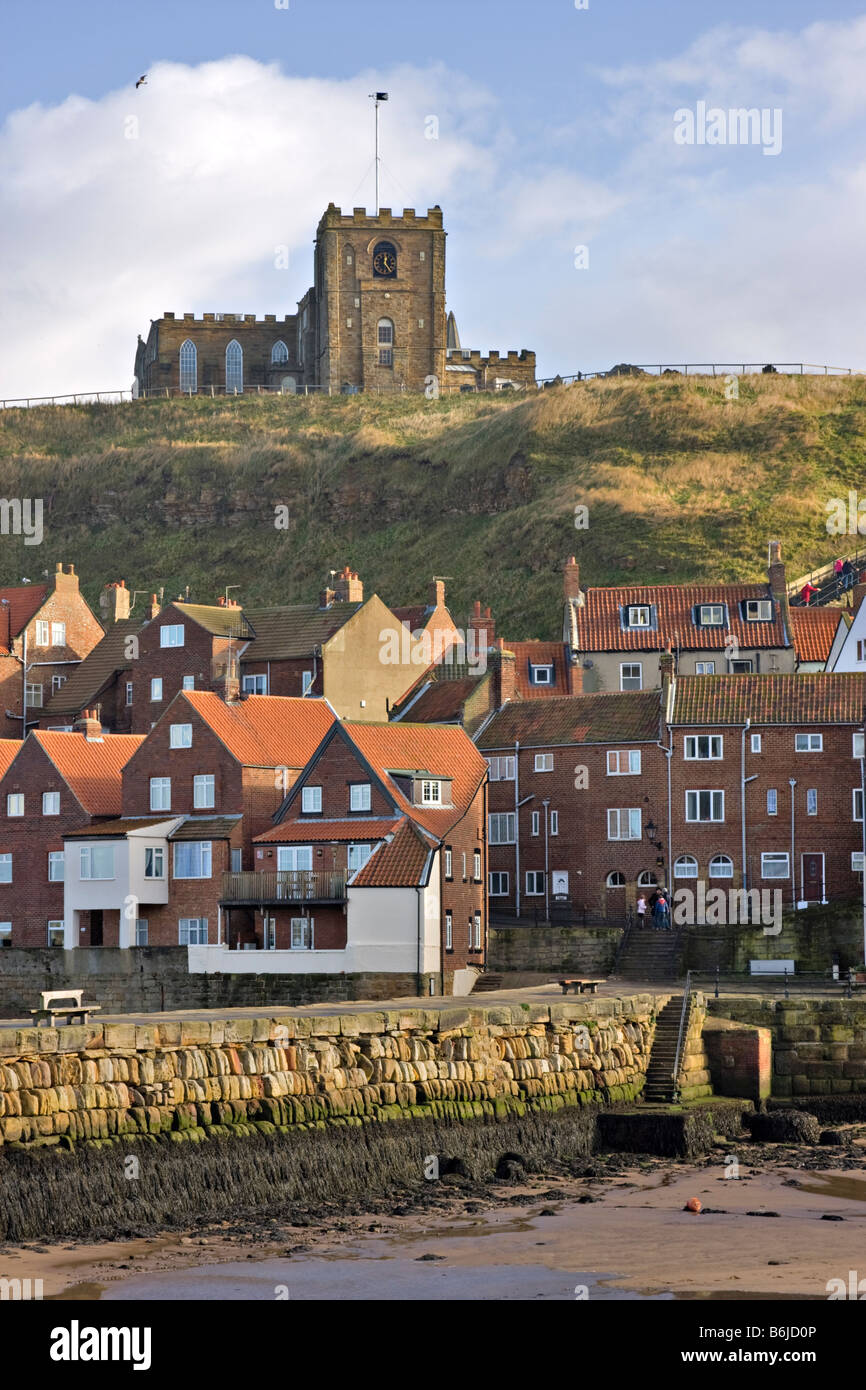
{"x": 651, "y": 955}
{"x": 660, "y": 1087}
{"x": 486, "y": 983}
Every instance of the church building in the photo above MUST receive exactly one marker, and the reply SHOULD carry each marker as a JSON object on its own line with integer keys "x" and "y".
{"x": 374, "y": 320}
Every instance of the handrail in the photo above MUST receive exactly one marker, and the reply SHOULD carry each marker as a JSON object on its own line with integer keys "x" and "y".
{"x": 629, "y": 923}
{"x": 687, "y": 994}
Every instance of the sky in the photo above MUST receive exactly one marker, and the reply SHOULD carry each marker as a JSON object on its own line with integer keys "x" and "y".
{"x": 587, "y": 217}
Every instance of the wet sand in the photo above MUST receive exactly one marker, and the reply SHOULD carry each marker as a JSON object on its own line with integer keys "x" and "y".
{"x": 621, "y": 1234}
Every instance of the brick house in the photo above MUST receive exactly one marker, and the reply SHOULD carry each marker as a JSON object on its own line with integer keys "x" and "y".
{"x": 377, "y": 859}
{"x": 186, "y": 646}
{"x": 54, "y": 784}
{"x": 208, "y": 777}
{"x": 45, "y": 631}
{"x": 576, "y": 785}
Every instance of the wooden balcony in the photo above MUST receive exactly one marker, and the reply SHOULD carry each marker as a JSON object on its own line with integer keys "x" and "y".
{"x": 285, "y": 886}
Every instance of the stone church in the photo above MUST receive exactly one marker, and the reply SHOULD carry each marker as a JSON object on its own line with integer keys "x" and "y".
{"x": 374, "y": 319}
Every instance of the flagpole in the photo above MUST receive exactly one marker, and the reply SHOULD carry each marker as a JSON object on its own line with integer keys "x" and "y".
{"x": 377, "y": 97}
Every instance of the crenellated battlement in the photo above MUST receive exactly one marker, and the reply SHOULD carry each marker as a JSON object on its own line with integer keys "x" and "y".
{"x": 473, "y": 357}
{"x": 360, "y": 217}
{"x": 228, "y": 318}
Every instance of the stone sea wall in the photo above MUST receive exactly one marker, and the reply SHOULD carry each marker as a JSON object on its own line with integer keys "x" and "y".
{"x": 818, "y": 1045}
{"x": 186, "y": 1080}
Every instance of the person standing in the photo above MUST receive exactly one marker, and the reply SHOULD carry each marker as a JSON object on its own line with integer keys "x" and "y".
{"x": 640, "y": 910}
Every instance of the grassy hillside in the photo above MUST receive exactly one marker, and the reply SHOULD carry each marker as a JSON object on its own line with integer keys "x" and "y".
{"x": 680, "y": 484}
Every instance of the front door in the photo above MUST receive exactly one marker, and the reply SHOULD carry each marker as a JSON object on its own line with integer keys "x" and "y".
{"x": 96, "y": 928}
{"x": 559, "y": 882}
{"x": 812, "y": 885}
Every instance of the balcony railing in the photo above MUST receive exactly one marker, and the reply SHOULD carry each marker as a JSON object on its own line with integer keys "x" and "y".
{"x": 285, "y": 886}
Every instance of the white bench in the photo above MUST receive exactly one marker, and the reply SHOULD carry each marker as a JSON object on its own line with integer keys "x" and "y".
{"x": 771, "y": 967}
{"x": 63, "y": 1003}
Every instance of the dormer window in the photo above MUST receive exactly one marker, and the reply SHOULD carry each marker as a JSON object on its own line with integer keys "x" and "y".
{"x": 638, "y": 616}
{"x": 711, "y": 615}
{"x": 759, "y": 610}
{"x": 540, "y": 675}
{"x": 431, "y": 793}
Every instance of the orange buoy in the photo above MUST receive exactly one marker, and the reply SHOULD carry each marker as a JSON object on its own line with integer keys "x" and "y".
{"x": 693, "y": 1204}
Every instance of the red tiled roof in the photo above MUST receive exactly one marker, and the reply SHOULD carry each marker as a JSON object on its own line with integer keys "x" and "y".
{"x": 8, "y": 749}
{"x": 814, "y": 630}
{"x": 397, "y": 863}
{"x": 538, "y": 654}
{"x": 602, "y": 717}
{"x": 304, "y": 832}
{"x": 600, "y": 628}
{"x": 443, "y": 702}
{"x": 417, "y": 616}
{"x": 817, "y": 698}
{"x": 90, "y": 767}
{"x": 264, "y": 730}
{"x": 24, "y": 601}
{"x": 441, "y": 749}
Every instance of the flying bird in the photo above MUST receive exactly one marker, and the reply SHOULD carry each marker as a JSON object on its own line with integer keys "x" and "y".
{"x": 141, "y": 81}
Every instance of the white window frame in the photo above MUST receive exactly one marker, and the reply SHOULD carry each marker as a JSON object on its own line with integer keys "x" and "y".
{"x": 180, "y": 736}
{"x": 542, "y": 674}
{"x": 615, "y": 873}
{"x": 772, "y": 801}
{"x": 448, "y": 865}
{"x": 498, "y": 883}
{"x": 543, "y": 762}
{"x": 718, "y": 861}
{"x": 357, "y": 856}
{"x": 51, "y": 803}
{"x": 168, "y": 635}
{"x": 755, "y": 743}
{"x": 857, "y": 799}
{"x": 554, "y": 822}
{"x": 705, "y": 668}
{"x": 34, "y": 694}
{"x": 86, "y": 863}
{"x": 635, "y": 615}
{"x": 55, "y": 928}
{"x": 307, "y": 681}
{"x": 814, "y": 743}
{"x": 56, "y": 858}
{"x": 811, "y": 801}
{"x": 857, "y": 749}
{"x": 476, "y": 927}
{"x": 129, "y": 692}
{"x": 741, "y": 666}
{"x": 630, "y": 666}
{"x": 431, "y": 792}
{"x": 142, "y": 931}
{"x": 43, "y": 633}
{"x": 255, "y": 685}
{"x": 495, "y": 768}
{"x": 782, "y": 858}
{"x": 234, "y": 363}
{"x": 160, "y": 793}
{"x": 536, "y": 823}
{"x": 157, "y": 861}
{"x": 615, "y": 758}
{"x": 13, "y": 800}
{"x": 713, "y": 793}
{"x": 759, "y": 610}
{"x": 188, "y": 366}
{"x": 311, "y": 800}
{"x": 156, "y": 689}
{"x": 647, "y": 878}
{"x": 203, "y": 786}
{"x": 302, "y": 934}
{"x": 476, "y": 865}
{"x": 535, "y": 877}
{"x": 711, "y": 608}
{"x": 192, "y": 931}
{"x": 205, "y": 859}
{"x": 496, "y": 822}
{"x": 360, "y": 796}
{"x": 58, "y": 634}
{"x": 634, "y": 823}
{"x": 5, "y": 862}
{"x": 449, "y": 930}
{"x": 692, "y": 748}
{"x": 686, "y": 866}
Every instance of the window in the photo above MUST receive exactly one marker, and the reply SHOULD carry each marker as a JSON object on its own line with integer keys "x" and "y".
{"x": 279, "y": 352}
{"x": 34, "y": 695}
{"x": 56, "y": 683}
{"x": 858, "y": 804}
{"x": 129, "y": 692}
{"x": 192, "y": 859}
{"x": 255, "y": 685}
{"x": 686, "y": 866}
{"x": 554, "y": 822}
{"x": 449, "y": 931}
{"x": 5, "y": 933}
{"x": 192, "y": 931}
{"x": 721, "y": 866}
{"x": 156, "y": 688}
{"x": 756, "y": 743}
{"x": 536, "y": 823}
{"x": 58, "y": 634}
{"x": 5, "y": 868}
{"x": 358, "y": 856}
{"x": 501, "y": 769}
{"x": 171, "y": 635}
{"x": 711, "y": 615}
{"x": 141, "y": 930}
{"x": 534, "y": 883}
{"x": 772, "y": 801}
{"x": 615, "y": 880}
{"x": 56, "y": 872}
{"x": 234, "y": 367}
{"x": 861, "y": 650}
{"x": 857, "y": 746}
{"x": 638, "y": 617}
{"x": 498, "y": 884}
{"x": 385, "y": 337}
{"x": 291, "y": 859}
{"x": 55, "y": 933}
{"x": 448, "y": 863}
{"x": 188, "y": 366}
{"x": 307, "y": 680}
{"x": 703, "y": 747}
{"x": 463, "y": 857}
{"x": 630, "y": 676}
{"x": 97, "y": 861}
{"x": 808, "y": 743}
{"x": 43, "y": 631}
{"x": 15, "y": 804}
{"x": 302, "y": 934}
{"x": 774, "y": 866}
{"x": 544, "y": 762}
{"x": 501, "y": 828}
{"x": 188, "y": 684}
{"x": 154, "y": 861}
{"x": 359, "y": 796}
{"x": 160, "y": 793}
{"x": 705, "y": 668}
{"x": 647, "y": 879}
{"x": 540, "y": 675}
{"x": 237, "y": 860}
{"x": 856, "y": 866}
{"x": 623, "y": 762}
{"x": 180, "y": 736}
{"x": 741, "y": 668}
{"x": 624, "y": 824}
{"x": 311, "y": 800}
{"x": 476, "y": 865}
{"x": 759, "y": 610}
{"x": 705, "y": 806}
{"x": 203, "y": 791}
{"x": 51, "y": 803}
{"x": 811, "y": 801}
{"x": 476, "y": 928}
{"x": 431, "y": 793}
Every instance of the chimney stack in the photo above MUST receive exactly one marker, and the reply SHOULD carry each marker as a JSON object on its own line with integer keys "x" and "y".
{"x": 88, "y": 723}
{"x": 153, "y": 607}
{"x": 571, "y": 579}
{"x": 506, "y": 674}
{"x": 482, "y": 623}
{"x": 115, "y": 601}
{"x": 348, "y": 588}
{"x": 776, "y": 571}
{"x": 326, "y": 598}
{"x": 437, "y": 594}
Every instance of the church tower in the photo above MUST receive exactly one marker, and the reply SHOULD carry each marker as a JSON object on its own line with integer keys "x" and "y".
{"x": 378, "y": 302}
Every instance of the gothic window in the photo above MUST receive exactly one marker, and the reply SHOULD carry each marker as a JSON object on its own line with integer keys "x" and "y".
{"x": 385, "y": 338}
{"x": 279, "y": 352}
{"x": 188, "y": 366}
{"x": 385, "y": 260}
{"x": 234, "y": 366}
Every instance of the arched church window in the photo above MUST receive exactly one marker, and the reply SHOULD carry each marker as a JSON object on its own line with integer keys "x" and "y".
{"x": 234, "y": 367}
{"x": 188, "y": 366}
{"x": 279, "y": 352}
{"x": 385, "y": 339}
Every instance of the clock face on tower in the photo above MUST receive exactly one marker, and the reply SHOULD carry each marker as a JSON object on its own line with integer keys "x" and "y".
{"x": 385, "y": 261}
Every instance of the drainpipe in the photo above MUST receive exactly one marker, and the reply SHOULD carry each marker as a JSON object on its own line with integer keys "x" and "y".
{"x": 517, "y": 830}
{"x": 792, "y": 782}
{"x": 743, "y": 733}
{"x": 545, "y": 803}
{"x": 863, "y": 831}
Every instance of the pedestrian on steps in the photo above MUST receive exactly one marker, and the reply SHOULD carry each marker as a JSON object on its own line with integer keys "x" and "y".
{"x": 640, "y": 909}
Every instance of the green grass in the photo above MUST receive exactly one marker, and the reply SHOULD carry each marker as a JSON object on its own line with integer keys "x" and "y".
{"x": 681, "y": 484}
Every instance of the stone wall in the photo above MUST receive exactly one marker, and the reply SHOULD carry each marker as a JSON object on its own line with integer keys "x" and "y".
{"x": 819, "y": 1045}
{"x": 554, "y": 949}
{"x": 811, "y": 938}
{"x": 189, "y": 1079}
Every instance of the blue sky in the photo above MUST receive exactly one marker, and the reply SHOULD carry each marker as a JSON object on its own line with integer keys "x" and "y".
{"x": 555, "y": 130}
